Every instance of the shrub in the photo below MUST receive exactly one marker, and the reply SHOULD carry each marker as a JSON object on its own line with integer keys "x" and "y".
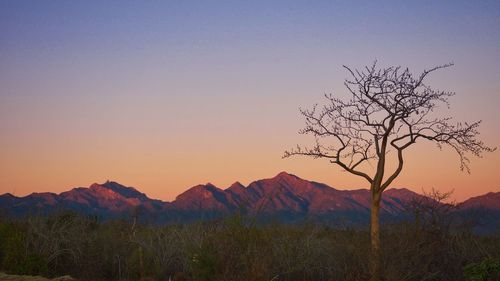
{"x": 486, "y": 270}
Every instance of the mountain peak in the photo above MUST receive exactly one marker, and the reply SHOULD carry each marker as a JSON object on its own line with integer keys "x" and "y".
{"x": 236, "y": 185}
{"x": 95, "y": 185}
{"x": 125, "y": 191}
{"x": 210, "y": 185}
{"x": 201, "y": 196}
{"x": 202, "y": 190}
{"x": 236, "y": 189}
{"x": 286, "y": 176}
{"x": 8, "y": 195}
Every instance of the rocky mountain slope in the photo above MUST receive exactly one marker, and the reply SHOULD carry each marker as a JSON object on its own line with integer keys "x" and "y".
{"x": 285, "y": 197}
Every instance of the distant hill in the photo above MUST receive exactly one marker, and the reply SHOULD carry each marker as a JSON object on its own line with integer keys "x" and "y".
{"x": 284, "y": 197}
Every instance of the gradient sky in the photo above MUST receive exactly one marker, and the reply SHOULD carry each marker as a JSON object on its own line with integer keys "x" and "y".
{"x": 164, "y": 95}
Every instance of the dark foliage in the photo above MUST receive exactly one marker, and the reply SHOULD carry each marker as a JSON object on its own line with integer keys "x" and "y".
{"x": 238, "y": 249}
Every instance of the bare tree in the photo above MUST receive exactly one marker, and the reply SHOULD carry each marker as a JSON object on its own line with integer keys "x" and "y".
{"x": 389, "y": 110}
{"x": 432, "y": 211}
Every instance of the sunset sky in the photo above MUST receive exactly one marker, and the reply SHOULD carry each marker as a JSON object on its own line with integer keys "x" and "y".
{"x": 164, "y": 95}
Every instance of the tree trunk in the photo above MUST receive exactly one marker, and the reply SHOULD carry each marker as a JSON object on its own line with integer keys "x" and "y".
{"x": 375, "y": 258}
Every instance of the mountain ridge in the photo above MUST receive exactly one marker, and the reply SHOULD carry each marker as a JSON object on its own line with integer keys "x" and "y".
{"x": 285, "y": 196}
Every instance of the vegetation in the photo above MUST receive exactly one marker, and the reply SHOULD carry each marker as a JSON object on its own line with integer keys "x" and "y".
{"x": 238, "y": 249}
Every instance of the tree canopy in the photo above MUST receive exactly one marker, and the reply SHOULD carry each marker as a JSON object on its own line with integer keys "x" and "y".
{"x": 389, "y": 108}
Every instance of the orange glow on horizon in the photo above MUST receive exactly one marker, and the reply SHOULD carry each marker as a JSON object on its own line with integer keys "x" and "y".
{"x": 165, "y": 174}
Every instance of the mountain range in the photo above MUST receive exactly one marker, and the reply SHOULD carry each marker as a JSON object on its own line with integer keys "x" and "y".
{"x": 285, "y": 197}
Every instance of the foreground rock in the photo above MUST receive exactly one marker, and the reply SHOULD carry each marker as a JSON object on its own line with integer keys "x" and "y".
{"x": 6, "y": 277}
